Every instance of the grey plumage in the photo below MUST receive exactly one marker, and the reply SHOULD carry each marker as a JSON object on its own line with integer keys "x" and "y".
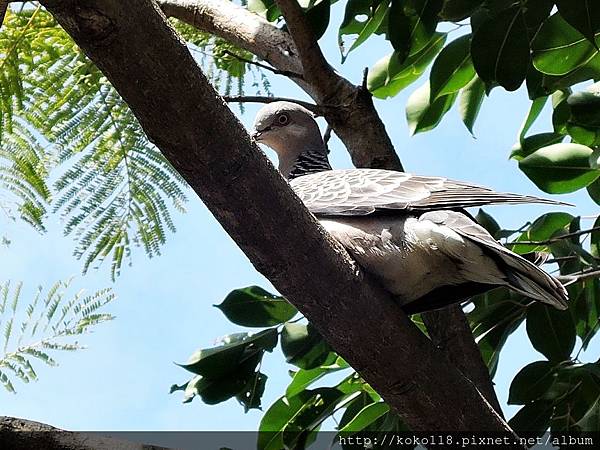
{"x": 408, "y": 231}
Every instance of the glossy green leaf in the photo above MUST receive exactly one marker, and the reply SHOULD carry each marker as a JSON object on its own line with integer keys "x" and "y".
{"x": 583, "y": 15}
{"x": 552, "y": 332}
{"x": 534, "y": 112}
{"x": 453, "y": 69}
{"x": 492, "y": 342}
{"x": 533, "y": 417}
{"x": 412, "y": 24}
{"x": 303, "y": 346}
{"x": 219, "y": 361}
{"x": 365, "y": 417}
{"x": 487, "y": 222}
{"x": 457, "y": 10}
{"x": 369, "y": 27}
{"x": 591, "y": 420}
{"x": 595, "y": 239}
{"x": 560, "y": 168}
{"x": 470, "y": 101}
{"x": 594, "y": 191}
{"x": 389, "y": 76}
{"x": 288, "y": 422}
{"x": 250, "y": 396}
{"x": 542, "y": 229}
{"x": 500, "y": 49}
{"x": 254, "y": 307}
{"x": 353, "y": 23}
{"x": 304, "y": 378}
{"x": 421, "y": 114}
{"x": 534, "y": 142}
{"x": 558, "y": 48}
{"x": 318, "y": 17}
{"x": 531, "y": 382}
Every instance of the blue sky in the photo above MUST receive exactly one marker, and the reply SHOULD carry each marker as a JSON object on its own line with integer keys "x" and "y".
{"x": 164, "y": 307}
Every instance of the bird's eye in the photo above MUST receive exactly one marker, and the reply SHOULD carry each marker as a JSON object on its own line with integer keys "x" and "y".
{"x": 283, "y": 119}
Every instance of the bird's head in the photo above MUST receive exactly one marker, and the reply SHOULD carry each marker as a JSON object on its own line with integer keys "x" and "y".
{"x": 287, "y": 128}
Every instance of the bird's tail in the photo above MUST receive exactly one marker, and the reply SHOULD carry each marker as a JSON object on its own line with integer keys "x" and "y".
{"x": 528, "y": 279}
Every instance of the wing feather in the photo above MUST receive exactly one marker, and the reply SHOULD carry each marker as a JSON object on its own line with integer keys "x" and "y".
{"x": 364, "y": 191}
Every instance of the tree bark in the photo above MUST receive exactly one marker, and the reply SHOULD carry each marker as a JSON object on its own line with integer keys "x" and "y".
{"x": 21, "y": 434}
{"x": 148, "y": 64}
{"x": 359, "y": 127}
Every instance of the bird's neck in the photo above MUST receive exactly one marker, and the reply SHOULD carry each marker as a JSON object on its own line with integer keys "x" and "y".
{"x": 309, "y": 161}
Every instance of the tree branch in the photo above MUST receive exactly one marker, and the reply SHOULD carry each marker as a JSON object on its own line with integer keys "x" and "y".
{"x": 147, "y": 63}
{"x": 285, "y": 73}
{"x": 20, "y": 434}
{"x": 261, "y": 99}
{"x": 3, "y": 8}
{"x": 355, "y": 121}
{"x": 316, "y": 69}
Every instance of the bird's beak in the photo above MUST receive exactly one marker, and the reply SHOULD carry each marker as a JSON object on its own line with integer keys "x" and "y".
{"x": 256, "y": 135}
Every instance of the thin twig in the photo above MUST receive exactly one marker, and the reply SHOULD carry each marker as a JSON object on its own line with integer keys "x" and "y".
{"x": 365, "y": 79}
{"x": 555, "y": 239}
{"x": 285, "y": 73}
{"x": 317, "y": 109}
{"x": 327, "y": 136}
{"x": 574, "y": 278}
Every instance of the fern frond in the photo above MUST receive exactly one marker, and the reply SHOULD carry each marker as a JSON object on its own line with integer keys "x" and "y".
{"x": 47, "y": 324}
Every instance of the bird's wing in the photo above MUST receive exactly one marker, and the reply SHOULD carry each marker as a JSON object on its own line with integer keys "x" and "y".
{"x": 363, "y": 191}
{"x": 521, "y": 275}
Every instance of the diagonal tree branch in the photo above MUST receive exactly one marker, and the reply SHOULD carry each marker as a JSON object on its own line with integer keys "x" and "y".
{"x": 315, "y": 67}
{"x": 357, "y": 124}
{"x": 181, "y": 113}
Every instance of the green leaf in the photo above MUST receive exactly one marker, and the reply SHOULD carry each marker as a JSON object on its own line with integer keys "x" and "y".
{"x": 365, "y": 417}
{"x": 542, "y": 229}
{"x": 303, "y": 346}
{"x": 535, "y": 110}
{"x": 551, "y": 331}
{"x": 457, "y": 10}
{"x": 531, "y": 383}
{"x": 412, "y": 24}
{"x": 288, "y": 418}
{"x": 304, "y": 378}
{"x": 534, "y": 142}
{"x": 389, "y": 76}
{"x": 594, "y": 191}
{"x": 583, "y": 15}
{"x": 558, "y": 48}
{"x": 254, "y": 307}
{"x": 493, "y": 341}
{"x": 471, "y": 99}
{"x": 250, "y": 396}
{"x": 595, "y": 239}
{"x": 560, "y": 168}
{"x": 318, "y": 17}
{"x": 351, "y": 25}
{"x": 421, "y": 114}
{"x": 487, "y": 222}
{"x": 533, "y": 417}
{"x": 453, "y": 68}
{"x": 500, "y": 49}
{"x": 591, "y": 420}
{"x": 219, "y": 361}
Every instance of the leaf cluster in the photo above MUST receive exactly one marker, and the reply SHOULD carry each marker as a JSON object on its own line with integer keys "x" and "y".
{"x": 70, "y": 145}
{"x": 232, "y": 370}
{"x": 34, "y": 331}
